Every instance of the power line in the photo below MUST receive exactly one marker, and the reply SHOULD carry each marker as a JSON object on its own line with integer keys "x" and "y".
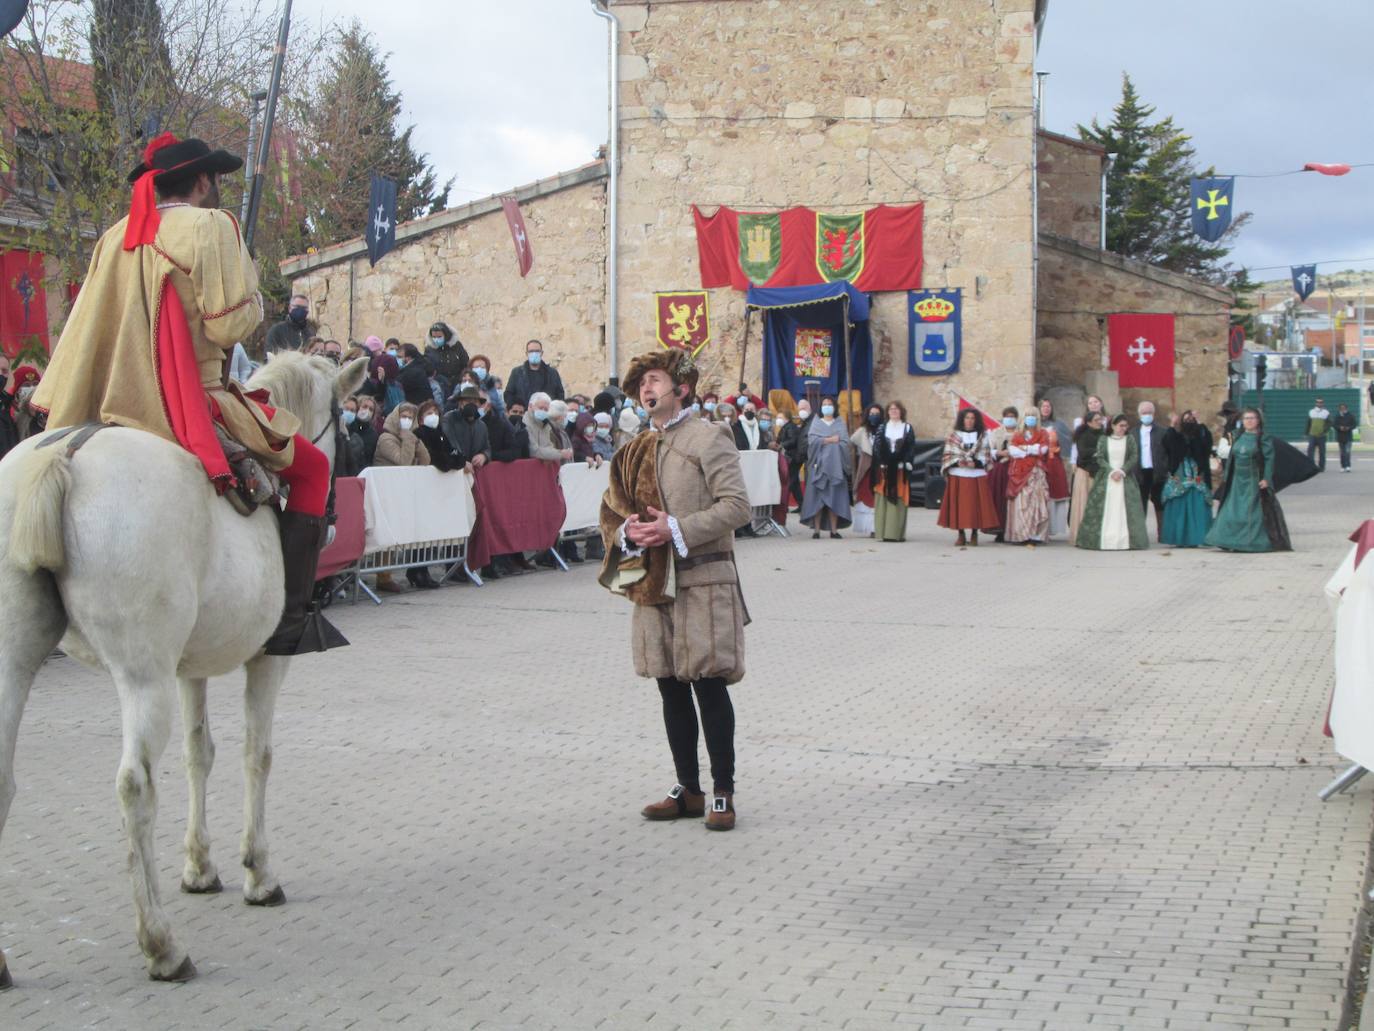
{"x": 1324, "y": 261}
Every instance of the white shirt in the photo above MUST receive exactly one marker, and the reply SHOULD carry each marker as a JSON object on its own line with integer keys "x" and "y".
{"x": 1147, "y": 458}
{"x": 895, "y": 431}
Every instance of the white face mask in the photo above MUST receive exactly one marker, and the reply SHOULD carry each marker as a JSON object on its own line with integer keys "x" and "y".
{"x": 432, "y": 421}
{"x": 406, "y": 424}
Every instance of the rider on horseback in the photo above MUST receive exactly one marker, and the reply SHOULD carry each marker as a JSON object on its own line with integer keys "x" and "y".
{"x": 170, "y": 290}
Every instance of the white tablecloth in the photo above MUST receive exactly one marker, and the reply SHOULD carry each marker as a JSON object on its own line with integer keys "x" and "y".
{"x": 761, "y": 481}
{"x": 414, "y": 504}
{"x": 582, "y": 490}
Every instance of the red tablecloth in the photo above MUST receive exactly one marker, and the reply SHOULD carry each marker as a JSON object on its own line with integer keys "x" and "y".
{"x": 519, "y": 508}
{"x": 350, "y": 529}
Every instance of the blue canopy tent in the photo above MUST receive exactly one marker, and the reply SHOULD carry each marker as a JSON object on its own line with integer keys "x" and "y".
{"x": 815, "y": 339}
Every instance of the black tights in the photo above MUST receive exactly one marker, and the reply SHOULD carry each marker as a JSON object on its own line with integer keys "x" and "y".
{"x": 717, "y": 721}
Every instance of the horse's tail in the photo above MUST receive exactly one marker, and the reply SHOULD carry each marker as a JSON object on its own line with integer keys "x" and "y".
{"x": 42, "y": 479}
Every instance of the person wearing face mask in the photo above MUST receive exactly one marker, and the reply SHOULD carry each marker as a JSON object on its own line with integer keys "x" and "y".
{"x": 1028, "y": 486}
{"x": 1000, "y": 472}
{"x": 464, "y": 429}
{"x": 627, "y": 427}
{"x": 479, "y": 374}
{"x": 362, "y": 431}
{"x": 726, "y": 417}
{"x": 1113, "y": 519}
{"x": 442, "y": 454}
{"x": 1055, "y": 469}
{"x": 397, "y": 444}
{"x": 414, "y": 374}
{"x": 1153, "y": 469}
{"x": 1187, "y": 494}
{"x": 447, "y": 357}
{"x": 829, "y": 467}
{"x": 747, "y": 433}
{"x": 295, "y": 331}
{"x": 546, "y": 442}
{"x": 708, "y": 407}
{"x": 792, "y": 440}
{"x": 535, "y": 376}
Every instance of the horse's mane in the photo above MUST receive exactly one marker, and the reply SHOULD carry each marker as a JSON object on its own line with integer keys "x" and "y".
{"x": 298, "y": 383}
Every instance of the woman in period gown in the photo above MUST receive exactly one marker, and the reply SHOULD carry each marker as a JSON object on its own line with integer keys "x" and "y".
{"x": 1085, "y": 440}
{"x": 894, "y": 449}
{"x": 1055, "y": 470}
{"x": 1250, "y": 518}
{"x": 1000, "y": 469}
{"x": 828, "y": 468}
{"x": 1114, "y": 519}
{"x": 967, "y": 504}
{"x": 1188, "y": 490}
{"x": 1028, "y": 485}
{"x": 864, "y": 441}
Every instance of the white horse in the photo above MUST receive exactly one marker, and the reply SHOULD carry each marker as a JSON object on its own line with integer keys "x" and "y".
{"x": 200, "y": 591}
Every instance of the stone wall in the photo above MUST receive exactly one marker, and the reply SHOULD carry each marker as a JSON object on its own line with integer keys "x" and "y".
{"x": 763, "y": 104}
{"x": 1070, "y": 191}
{"x": 1080, "y": 286}
{"x": 459, "y": 267}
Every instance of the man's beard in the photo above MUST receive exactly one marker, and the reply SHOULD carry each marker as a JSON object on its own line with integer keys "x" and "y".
{"x": 211, "y": 199}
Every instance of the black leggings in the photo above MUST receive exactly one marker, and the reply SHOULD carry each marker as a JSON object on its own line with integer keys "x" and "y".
{"x": 718, "y": 723}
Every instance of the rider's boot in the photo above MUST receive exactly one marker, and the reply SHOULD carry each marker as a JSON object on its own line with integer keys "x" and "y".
{"x": 302, "y": 628}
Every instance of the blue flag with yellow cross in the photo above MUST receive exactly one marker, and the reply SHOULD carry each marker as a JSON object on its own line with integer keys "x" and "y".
{"x": 1211, "y": 202}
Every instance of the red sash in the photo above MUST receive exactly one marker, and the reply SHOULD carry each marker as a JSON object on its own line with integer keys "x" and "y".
{"x": 183, "y": 395}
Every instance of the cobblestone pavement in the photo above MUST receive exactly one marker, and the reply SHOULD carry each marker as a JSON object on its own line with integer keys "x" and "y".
{"x": 995, "y": 788}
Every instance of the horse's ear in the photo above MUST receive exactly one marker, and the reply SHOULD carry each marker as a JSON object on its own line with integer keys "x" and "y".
{"x": 350, "y": 378}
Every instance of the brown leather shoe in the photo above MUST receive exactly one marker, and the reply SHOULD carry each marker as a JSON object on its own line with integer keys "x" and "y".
{"x": 679, "y": 803}
{"x": 722, "y": 814}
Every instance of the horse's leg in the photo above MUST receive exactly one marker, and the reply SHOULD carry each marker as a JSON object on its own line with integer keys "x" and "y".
{"x": 265, "y": 674}
{"x": 145, "y": 702}
{"x": 199, "y": 876}
{"x": 32, "y": 624}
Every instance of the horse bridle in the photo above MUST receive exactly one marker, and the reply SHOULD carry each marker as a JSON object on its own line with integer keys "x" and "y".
{"x": 335, "y": 413}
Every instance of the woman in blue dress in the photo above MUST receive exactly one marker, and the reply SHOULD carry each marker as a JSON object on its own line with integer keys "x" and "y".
{"x": 1188, "y": 490}
{"x": 1250, "y": 518}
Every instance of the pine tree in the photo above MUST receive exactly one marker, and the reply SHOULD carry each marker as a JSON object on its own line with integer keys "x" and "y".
{"x": 350, "y": 128}
{"x": 1243, "y": 308}
{"x": 1148, "y": 191}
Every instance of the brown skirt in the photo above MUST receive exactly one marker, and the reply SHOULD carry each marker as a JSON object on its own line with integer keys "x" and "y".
{"x": 1082, "y": 485}
{"x": 968, "y": 505}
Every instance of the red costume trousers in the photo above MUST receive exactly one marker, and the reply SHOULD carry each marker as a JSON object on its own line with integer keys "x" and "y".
{"x": 308, "y": 478}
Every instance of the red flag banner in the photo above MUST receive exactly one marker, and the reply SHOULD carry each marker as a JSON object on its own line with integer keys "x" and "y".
{"x": 989, "y": 423}
{"x": 1142, "y": 349}
{"x": 878, "y": 249}
{"x": 23, "y": 301}
{"x": 523, "y": 254}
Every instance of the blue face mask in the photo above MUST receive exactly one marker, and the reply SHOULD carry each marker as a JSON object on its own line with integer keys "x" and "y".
{"x": 540, "y": 415}
{"x": 710, "y": 406}
{"x": 1147, "y": 419}
{"x": 696, "y": 406}
{"x": 1009, "y": 421}
{"x": 643, "y": 413}
{"x": 766, "y": 424}
{"x": 479, "y": 372}
{"x": 603, "y": 433}
{"x": 348, "y": 417}
{"x": 534, "y": 357}
{"x": 827, "y": 410}
{"x": 1032, "y": 421}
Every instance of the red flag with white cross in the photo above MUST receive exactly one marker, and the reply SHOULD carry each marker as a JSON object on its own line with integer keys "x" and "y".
{"x": 1142, "y": 349}
{"x": 523, "y": 254}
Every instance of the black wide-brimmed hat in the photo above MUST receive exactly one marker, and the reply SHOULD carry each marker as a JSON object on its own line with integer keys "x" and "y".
{"x": 185, "y": 158}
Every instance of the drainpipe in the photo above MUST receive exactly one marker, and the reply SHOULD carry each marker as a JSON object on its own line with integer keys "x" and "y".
{"x": 1106, "y": 171}
{"x": 600, "y": 9}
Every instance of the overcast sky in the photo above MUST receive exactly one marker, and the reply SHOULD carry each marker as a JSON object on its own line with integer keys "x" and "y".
{"x": 506, "y": 92}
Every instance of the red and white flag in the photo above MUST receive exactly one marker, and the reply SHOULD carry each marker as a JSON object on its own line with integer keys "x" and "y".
{"x": 516, "y": 221}
{"x": 989, "y": 423}
{"x": 1142, "y": 349}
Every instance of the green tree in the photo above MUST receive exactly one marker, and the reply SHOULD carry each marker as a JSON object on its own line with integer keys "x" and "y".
{"x": 1148, "y": 191}
{"x": 350, "y": 127}
{"x": 1243, "y": 307}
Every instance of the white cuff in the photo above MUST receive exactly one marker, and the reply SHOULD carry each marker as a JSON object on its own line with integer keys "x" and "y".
{"x": 626, "y": 548}
{"x": 678, "y": 542}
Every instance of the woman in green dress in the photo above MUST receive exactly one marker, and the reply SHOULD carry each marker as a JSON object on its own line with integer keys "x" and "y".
{"x": 1250, "y": 518}
{"x": 1114, "y": 518}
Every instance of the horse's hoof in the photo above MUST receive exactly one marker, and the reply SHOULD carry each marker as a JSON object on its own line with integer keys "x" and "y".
{"x": 213, "y": 888}
{"x": 185, "y": 971}
{"x": 276, "y": 898}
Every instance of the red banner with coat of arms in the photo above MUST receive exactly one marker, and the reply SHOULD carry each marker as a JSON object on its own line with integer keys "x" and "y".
{"x": 684, "y": 319}
{"x": 877, "y": 249}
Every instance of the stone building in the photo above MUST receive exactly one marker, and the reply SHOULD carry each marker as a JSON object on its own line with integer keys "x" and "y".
{"x": 762, "y": 105}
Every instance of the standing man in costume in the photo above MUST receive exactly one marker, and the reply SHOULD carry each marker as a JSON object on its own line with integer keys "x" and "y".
{"x": 170, "y": 290}
{"x": 668, "y": 519}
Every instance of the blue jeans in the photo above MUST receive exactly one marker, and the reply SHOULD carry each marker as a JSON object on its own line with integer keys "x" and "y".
{"x": 1344, "y": 446}
{"x": 1318, "y": 445}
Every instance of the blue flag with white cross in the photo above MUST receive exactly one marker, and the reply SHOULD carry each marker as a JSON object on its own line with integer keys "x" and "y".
{"x": 381, "y": 218}
{"x": 1304, "y": 280}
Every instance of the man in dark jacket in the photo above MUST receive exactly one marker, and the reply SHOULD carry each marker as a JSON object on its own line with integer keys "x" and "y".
{"x": 295, "y": 332}
{"x": 791, "y": 436}
{"x": 414, "y": 375}
{"x": 464, "y": 428}
{"x": 534, "y": 377}
{"x": 1153, "y": 470}
{"x": 508, "y": 443}
{"x": 447, "y": 356}
{"x": 1344, "y": 423}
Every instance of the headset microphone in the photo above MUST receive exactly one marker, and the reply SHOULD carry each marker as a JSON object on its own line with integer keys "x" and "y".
{"x": 651, "y": 403}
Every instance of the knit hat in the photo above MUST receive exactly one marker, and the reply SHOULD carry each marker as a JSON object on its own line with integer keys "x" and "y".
{"x": 629, "y": 421}
{"x": 603, "y": 419}
{"x": 373, "y": 344}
